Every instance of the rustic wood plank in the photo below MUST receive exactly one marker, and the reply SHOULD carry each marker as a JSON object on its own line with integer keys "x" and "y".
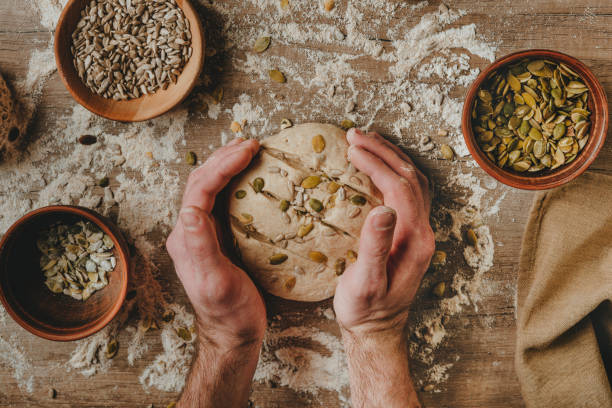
{"x": 483, "y": 340}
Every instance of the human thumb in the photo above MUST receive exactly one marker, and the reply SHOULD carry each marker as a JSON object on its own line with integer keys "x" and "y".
{"x": 375, "y": 245}
{"x": 200, "y": 235}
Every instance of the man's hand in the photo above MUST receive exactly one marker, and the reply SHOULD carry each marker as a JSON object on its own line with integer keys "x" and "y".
{"x": 231, "y": 315}
{"x": 374, "y": 294}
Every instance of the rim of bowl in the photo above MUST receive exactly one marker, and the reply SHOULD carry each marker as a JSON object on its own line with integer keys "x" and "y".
{"x": 111, "y": 230}
{"x": 564, "y": 174}
{"x": 62, "y": 70}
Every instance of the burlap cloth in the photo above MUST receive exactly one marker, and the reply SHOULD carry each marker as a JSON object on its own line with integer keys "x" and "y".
{"x": 564, "y": 333}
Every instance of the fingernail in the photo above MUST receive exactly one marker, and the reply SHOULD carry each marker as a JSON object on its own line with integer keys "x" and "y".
{"x": 190, "y": 218}
{"x": 352, "y": 133}
{"x": 351, "y": 149}
{"x": 384, "y": 218}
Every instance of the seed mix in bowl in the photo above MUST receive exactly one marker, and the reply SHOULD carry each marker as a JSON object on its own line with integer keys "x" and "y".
{"x": 532, "y": 116}
{"x": 124, "y": 49}
{"x": 76, "y": 259}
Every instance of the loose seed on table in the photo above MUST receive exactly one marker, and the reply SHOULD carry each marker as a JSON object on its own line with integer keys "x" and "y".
{"x": 447, "y": 152}
{"x": 103, "y": 182}
{"x": 191, "y": 158}
{"x": 347, "y": 124}
{"x": 277, "y": 76}
{"x": 87, "y": 140}
{"x": 439, "y": 289}
{"x": 261, "y": 44}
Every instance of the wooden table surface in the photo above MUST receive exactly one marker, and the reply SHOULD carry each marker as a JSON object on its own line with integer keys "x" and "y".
{"x": 480, "y": 342}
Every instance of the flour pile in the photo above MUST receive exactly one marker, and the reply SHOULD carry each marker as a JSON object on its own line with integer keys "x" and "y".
{"x": 410, "y": 71}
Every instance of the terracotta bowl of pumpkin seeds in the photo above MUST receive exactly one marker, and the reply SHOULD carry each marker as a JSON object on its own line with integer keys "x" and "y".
{"x": 535, "y": 119}
{"x": 63, "y": 272}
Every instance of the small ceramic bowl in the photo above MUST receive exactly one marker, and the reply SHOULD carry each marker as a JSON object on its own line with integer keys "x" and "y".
{"x": 31, "y": 304}
{"x": 597, "y": 104}
{"x": 134, "y": 110}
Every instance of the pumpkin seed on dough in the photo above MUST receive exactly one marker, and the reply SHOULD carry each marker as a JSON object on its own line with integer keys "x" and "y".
{"x": 340, "y": 266}
{"x": 284, "y": 205}
{"x": 290, "y": 283}
{"x": 235, "y": 127}
{"x": 358, "y": 200}
{"x": 351, "y": 256}
{"x": 261, "y": 44}
{"x": 277, "y": 76}
{"x": 278, "y": 259}
{"x": 315, "y": 204}
{"x": 304, "y": 230}
{"x": 258, "y": 184}
{"x": 240, "y": 194}
{"x": 318, "y": 143}
{"x": 245, "y": 218}
{"x": 311, "y": 182}
{"x": 333, "y": 187}
{"x": 317, "y": 256}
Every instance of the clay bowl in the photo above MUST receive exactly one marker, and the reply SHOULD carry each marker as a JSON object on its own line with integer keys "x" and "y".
{"x": 31, "y": 304}
{"x": 135, "y": 110}
{"x": 597, "y": 104}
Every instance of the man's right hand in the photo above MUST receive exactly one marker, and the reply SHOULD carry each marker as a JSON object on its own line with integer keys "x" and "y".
{"x": 373, "y": 296}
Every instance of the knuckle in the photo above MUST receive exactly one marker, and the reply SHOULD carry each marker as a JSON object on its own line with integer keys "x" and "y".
{"x": 221, "y": 291}
{"x": 428, "y": 244}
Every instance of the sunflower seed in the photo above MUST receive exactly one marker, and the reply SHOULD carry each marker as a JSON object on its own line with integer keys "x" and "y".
{"x": 277, "y": 76}
{"x": 354, "y": 212}
{"x": 299, "y": 270}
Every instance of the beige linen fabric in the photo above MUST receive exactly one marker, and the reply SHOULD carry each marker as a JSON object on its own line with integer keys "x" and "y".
{"x": 564, "y": 333}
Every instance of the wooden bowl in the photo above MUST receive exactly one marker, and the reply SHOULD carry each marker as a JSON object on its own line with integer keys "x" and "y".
{"x": 134, "y": 110}
{"x": 31, "y": 304}
{"x": 597, "y": 104}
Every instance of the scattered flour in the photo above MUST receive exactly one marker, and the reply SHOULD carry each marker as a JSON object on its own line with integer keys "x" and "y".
{"x": 13, "y": 356}
{"x": 422, "y": 66}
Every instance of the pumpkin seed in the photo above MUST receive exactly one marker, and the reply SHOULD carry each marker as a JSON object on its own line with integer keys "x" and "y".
{"x": 347, "y": 124}
{"x": 168, "y": 316}
{"x": 304, "y": 230}
{"x": 284, "y": 205}
{"x": 329, "y": 5}
{"x": 358, "y": 200}
{"x": 278, "y": 259}
{"x": 261, "y": 44}
{"x": 311, "y": 181}
{"x": 472, "y": 238}
{"x": 235, "y": 127}
{"x": 111, "y": 349}
{"x": 315, "y": 204}
{"x": 245, "y": 218}
{"x": 103, "y": 182}
{"x": 258, "y": 184}
{"x": 318, "y": 143}
{"x": 87, "y": 140}
{"x": 191, "y": 158}
{"x": 340, "y": 266}
{"x": 184, "y": 334}
{"x": 447, "y": 152}
{"x": 290, "y": 283}
{"x": 351, "y": 256}
{"x": 439, "y": 258}
{"x": 285, "y": 123}
{"x": 277, "y": 76}
{"x": 240, "y": 194}
{"x": 317, "y": 256}
{"x": 439, "y": 289}
{"x": 332, "y": 187}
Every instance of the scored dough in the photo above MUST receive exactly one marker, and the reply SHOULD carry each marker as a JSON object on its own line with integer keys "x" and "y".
{"x": 265, "y": 234}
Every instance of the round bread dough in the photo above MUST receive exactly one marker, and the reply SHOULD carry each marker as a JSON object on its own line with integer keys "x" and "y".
{"x": 299, "y": 253}
{"x": 11, "y": 127}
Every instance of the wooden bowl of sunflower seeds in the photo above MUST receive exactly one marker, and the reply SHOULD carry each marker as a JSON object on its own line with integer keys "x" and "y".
{"x": 129, "y": 60}
{"x": 535, "y": 119}
{"x": 63, "y": 272}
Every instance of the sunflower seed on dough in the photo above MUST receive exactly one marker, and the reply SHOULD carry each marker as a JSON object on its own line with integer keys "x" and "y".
{"x": 290, "y": 235}
{"x": 320, "y": 268}
{"x": 335, "y": 172}
{"x": 283, "y": 244}
{"x": 283, "y": 172}
{"x": 299, "y": 270}
{"x": 286, "y": 218}
{"x": 341, "y": 194}
{"x": 354, "y": 212}
{"x": 329, "y": 232}
{"x": 279, "y": 237}
{"x": 273, "y": 169}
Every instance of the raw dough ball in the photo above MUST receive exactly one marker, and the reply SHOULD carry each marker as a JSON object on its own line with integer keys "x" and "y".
{"x": 11, "y": 128}
{"x": 296, "y": 212}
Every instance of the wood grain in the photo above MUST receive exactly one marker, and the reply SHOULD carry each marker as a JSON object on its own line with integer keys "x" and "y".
{"x": 480, "y": 341}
